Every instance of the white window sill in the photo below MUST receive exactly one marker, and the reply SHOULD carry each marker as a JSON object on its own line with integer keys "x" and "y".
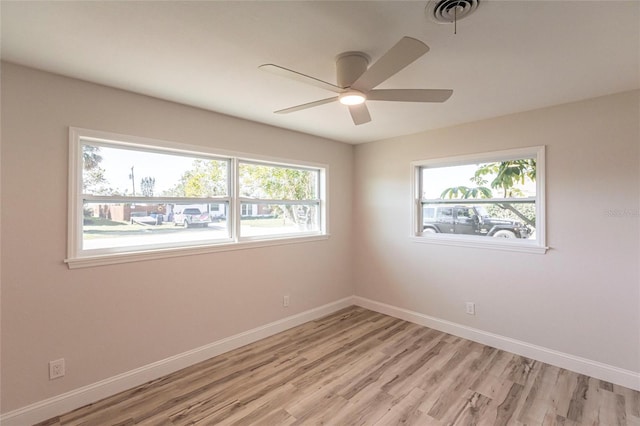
{"x": 522, "y": 246}
{"x": 139, "y": 256}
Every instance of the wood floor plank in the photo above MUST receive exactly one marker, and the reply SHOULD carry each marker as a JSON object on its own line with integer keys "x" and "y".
{"x": 317, "y": 408}
{"x": 533, "y": 408}
{"x": 432, "y": 361}
{"x": 405, "y": 411}
{"x": 632, "y": 400}
{"x": 493, "y": 388}
{"x": 279, "y": 417}
{"x": 507, "y": 408}
{"x": 474, "y": 410}
{"x": 563, "y": 391}
{"x": 364, "y": 410}
{"x": 460, "y": 376}
{"x": 578, "y": 399}
{"x": 358, "y": 367}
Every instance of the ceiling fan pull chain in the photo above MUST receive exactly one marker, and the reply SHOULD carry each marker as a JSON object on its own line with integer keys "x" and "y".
{"x": 455, "y": 19}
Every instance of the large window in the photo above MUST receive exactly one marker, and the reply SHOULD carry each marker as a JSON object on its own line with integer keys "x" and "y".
{"x": 493, "y": 200}
{"x": 134, "y": 198}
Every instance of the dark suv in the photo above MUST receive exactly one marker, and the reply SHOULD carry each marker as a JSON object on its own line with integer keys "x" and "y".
{"x": 470, "y": 220}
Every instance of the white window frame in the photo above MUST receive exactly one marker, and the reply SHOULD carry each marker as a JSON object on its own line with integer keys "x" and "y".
{"x": 78, "y": 258}
{"x": 537, "y": 246}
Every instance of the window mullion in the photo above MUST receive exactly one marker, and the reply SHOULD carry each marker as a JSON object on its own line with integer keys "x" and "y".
{"x": 523, "y": 200}
{"x": 235, "y": 211}
{"x": 148, "y": 200}
{"x": 244, "y": 200}
{"x": 417, "y": 205}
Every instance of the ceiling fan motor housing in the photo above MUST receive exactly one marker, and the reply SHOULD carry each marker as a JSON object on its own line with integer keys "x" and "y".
{"x": 350, "y": 66}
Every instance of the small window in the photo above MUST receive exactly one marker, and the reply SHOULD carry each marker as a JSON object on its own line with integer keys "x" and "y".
{"x": 493, "y": 200}
{"x": 131, "y": 195}
{"x": 444, "y": 213}
{"x": 246, "y": 209}
{"x": 428, "y": 212}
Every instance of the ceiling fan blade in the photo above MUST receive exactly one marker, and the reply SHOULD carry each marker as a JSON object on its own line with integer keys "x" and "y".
{"x": 359, "y": 114}
{"x": 410, "y": 95}
{"x": 398, "y": 57}
{"x": 307, "y": 105}
{"x": 302, "y": 78}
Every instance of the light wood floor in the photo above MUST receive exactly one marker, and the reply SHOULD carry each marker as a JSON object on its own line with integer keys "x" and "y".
{"x": 358, "y": 367}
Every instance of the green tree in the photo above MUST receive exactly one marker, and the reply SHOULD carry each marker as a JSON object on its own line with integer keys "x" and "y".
{"x": 507, "y": 175}
{"x": 93, "y": 179}
{"x": 281, "y": 183}
{"x": 91, "y": 157}
{"x": 206, "y": 178}
{"x": 277, "y": 183}
{"x": 467, "y": 192}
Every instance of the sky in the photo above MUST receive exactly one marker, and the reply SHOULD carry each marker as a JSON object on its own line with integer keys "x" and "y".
{"x": 437, "y": 179}
{"x": 166, "y": 169}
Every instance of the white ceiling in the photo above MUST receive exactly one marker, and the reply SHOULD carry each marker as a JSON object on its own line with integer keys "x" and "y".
{"x": 508, "y": 56}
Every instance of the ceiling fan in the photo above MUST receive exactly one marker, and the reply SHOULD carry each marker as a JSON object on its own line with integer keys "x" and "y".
{"x": 356, "y": 83}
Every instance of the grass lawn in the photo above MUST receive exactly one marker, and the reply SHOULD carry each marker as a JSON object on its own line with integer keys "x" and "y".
{"x": 99, "y": 221}
{"x": 98, "y": 227}
{"x": 95, "y": 227}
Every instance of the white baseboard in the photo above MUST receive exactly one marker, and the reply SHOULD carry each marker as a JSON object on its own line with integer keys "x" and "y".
{"x": 77, "y": 398}
{"x": 80, "y": 397}
{"x": 598, "y": 370}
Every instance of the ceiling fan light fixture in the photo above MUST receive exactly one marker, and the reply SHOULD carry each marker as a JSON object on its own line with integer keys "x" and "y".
{"x": 352, "y": 97}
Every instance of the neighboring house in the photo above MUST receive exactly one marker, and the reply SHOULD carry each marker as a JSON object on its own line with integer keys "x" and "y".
{"x": 124, "y": 212}
{"x": 255, "y": 210}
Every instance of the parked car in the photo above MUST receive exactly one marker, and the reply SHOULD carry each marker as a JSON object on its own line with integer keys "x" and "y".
{"x": 144, "y": 218}
{"x": 191, "y": 216}
{"x": 470, "y": 220}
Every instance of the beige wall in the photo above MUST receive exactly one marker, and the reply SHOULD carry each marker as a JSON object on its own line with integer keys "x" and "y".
{"x": 582, "y": 297}
{"x": 111, "y": 319}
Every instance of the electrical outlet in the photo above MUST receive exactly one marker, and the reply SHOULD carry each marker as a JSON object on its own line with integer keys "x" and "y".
{"x": 471, "y": 308}
{"x": 56, "y": 368}
{"x": 285, "y": 301}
